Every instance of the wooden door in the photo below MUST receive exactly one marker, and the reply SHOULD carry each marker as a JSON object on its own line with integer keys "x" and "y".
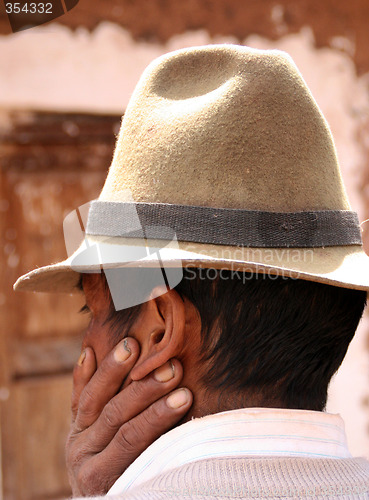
{"x": 50, "y": 164}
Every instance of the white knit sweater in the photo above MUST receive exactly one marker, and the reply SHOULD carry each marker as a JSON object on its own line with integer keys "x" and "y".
{"x": 272, "y": 478}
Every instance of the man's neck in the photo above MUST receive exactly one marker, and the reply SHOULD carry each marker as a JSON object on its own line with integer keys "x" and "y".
{"x": 207, "y": 402}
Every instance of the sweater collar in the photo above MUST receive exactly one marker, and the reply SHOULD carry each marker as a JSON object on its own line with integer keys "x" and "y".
{"x": 253, "y": 432}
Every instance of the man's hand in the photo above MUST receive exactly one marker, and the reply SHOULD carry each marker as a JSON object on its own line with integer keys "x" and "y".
{"x": 110, "y": 429}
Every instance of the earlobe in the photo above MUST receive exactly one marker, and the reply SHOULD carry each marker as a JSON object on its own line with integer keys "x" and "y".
{"x": 164, "y": 322}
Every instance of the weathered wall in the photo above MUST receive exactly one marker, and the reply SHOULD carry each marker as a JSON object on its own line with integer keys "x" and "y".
{"x": 332, "y": 21}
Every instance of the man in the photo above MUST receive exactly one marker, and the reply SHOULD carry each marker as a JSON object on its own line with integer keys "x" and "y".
{"x": 223, "y": 155}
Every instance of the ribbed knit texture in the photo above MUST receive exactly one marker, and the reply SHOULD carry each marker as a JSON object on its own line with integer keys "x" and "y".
{"x": 273, "y": 478}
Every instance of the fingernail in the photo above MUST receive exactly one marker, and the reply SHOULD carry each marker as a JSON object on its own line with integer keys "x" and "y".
{"x": 165, "y": 372}
{"x": 81, "y": 358}
{"x": 178, "y": 398}
{"x": 122, "y": 351}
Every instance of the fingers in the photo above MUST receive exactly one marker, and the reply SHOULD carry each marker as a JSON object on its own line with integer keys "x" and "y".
{"x": 129, "y": 421}
{"x": 138, "y": 433}
{"x": 82, "y": 373}
{"x": 105, "y": 382}
{"x": 133, "y": 400}
{"x": 133, "y": 437}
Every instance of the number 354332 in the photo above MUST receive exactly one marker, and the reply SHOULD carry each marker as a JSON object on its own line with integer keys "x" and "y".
{"x": 29, "y": 8}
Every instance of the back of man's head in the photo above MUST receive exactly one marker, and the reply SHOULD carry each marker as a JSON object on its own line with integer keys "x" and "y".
{"x": 281, "y": 337}
{"x": 277, "y": 338}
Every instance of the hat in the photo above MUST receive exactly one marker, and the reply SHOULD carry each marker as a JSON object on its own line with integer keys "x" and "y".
{"x": 225, "y": 146}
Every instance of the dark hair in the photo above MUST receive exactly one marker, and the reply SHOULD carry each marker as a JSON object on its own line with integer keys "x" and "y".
{"x": 279, "y": 337}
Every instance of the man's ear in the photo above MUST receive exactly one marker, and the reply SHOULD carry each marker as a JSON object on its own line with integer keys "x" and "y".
{"x": 160, "y": 330}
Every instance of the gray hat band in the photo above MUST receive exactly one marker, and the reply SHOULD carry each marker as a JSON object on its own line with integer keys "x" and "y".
{"x": 224, "y": 226}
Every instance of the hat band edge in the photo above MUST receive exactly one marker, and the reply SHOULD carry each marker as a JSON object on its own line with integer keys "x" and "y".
{"x": 224, "y": 226}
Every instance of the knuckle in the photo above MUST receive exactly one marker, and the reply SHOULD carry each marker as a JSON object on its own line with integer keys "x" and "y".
{"x": 112, "y": 414}
{"x": 107, "y": 368}
{"x": 87, "y": 401}
{"x": 153, "y": 420}
{"x": 153, "y": 415}
{"x": 138, "y": 390}
{"x": 129, "y": 438}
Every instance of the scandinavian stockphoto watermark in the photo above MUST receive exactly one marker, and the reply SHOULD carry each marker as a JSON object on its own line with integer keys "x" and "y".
{"x": 24, "y": 15}
{"x": 234, "y": 273}
{"x": 142, "y": 261}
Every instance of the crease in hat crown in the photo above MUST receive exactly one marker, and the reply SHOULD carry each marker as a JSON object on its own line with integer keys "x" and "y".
{"x": 226, "y": 126}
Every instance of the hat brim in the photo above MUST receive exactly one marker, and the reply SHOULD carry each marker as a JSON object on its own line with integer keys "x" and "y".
{"x": 344, "y": 266}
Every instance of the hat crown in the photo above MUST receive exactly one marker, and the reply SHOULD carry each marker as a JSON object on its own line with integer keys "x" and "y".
{"x": 215, "y": 128}
{"x": 226, "y": 126}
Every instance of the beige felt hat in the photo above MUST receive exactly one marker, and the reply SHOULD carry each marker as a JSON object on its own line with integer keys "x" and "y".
{"x": 226, "y": 146}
